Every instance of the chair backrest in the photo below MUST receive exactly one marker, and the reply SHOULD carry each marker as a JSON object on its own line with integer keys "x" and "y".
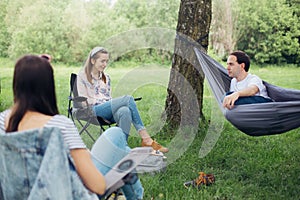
{"x": 73, "y": 84}
{"x": 35, "y": 164}
{"x": 73, "y": 94}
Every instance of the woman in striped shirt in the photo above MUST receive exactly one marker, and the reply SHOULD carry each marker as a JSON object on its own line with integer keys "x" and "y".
{"x": 35, "y": 107}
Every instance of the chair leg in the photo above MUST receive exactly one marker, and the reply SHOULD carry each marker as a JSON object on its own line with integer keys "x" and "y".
{"x": 84, "y": 128}
{"x": 102, "y": 128}
{"x": 87, "y": 124}
{"x": 114, "y": 195}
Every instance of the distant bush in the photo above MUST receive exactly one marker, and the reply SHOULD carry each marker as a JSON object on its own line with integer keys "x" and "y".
{"x": 268, "y": 31}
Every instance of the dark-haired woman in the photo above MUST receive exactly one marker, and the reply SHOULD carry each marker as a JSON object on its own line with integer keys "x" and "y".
{"x": 35, "y": 106}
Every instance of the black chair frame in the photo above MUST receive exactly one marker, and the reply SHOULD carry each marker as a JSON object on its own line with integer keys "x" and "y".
{"x": 80, "y": 111}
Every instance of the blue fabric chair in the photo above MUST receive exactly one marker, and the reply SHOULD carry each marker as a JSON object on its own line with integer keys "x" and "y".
{"x": 36, "y": 165}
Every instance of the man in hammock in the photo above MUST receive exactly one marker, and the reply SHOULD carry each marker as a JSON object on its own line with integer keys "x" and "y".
{"x": 245, "y": 88}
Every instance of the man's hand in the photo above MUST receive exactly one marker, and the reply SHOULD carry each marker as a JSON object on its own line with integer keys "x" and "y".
{"x": 228, "y": 101}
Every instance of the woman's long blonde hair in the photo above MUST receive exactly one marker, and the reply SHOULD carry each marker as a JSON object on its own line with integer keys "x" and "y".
{"x": 88, "y": 66}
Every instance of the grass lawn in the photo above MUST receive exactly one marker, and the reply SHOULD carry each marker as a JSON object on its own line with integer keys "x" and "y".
{"x": 245, "y": 167}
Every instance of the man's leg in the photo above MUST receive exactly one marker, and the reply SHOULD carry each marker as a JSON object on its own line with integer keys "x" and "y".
{"x": 251, "y": 100}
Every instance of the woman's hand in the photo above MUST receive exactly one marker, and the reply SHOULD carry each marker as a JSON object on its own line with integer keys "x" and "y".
{"x": 88, "y": 172}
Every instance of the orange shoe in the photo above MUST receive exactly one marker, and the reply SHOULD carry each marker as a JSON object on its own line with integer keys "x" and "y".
{"x": 156, "y": 146}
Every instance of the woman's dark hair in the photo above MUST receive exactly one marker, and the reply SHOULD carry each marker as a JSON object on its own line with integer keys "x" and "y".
{"x": 242, "y": 57}
{"x": 33, "y": 89}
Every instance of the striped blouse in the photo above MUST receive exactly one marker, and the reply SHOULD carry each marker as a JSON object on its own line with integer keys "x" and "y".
{"x": 67, "y": 127}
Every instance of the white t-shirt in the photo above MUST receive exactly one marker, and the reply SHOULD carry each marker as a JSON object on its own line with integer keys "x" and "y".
{"x": 67, "y": 127}
{"x": 249, "y": 80}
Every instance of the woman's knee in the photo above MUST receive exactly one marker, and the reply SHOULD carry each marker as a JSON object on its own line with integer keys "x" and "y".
{"x": 113, "y": 139}
{"x": 113, "y": 132}
{"x": 109, "y": 148}
{"x": 128, "y": 98}
{"x": 124, "y": 111}
{"x": 131, "y": 102}
{"x": 116, "y": 136}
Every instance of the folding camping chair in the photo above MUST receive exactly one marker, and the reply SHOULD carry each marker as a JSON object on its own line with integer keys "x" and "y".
{"x": 80, "y": 112}
{"x": 26, "y": 158}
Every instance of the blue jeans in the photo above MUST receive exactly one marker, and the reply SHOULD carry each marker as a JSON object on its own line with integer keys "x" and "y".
{"x": 250, "y": 99}
{"x": 107, "y": 151}
{"x": 122, "y": 110}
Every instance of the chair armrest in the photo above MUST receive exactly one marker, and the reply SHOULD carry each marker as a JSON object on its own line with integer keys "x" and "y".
{"x": 138, "y": 98}
{"x": 79, "y": 99}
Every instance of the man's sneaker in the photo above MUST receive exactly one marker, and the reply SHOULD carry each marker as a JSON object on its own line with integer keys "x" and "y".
{"x": 202, "y": 179}
{"x": 156, "y": 146}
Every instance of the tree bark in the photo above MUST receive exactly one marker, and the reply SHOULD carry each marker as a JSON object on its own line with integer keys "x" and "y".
{"x": 185, "y": 90}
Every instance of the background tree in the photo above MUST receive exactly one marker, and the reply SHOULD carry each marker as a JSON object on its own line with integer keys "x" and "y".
{"x": 147, "y": 13}
{"x": 77, "y": 24}
{"x": 37, "y": 28}
{"x": 194, "y": 20}
{"x": 4, "y": 35}
{"x": 269, "y": 31}
{"x": 223, "y": 32}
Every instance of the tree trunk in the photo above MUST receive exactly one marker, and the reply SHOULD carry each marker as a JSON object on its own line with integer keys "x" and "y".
{"x": 185, "y": 90}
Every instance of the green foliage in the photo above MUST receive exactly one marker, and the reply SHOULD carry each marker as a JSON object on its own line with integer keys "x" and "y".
{"x": 69, "y": 29}
{"x": 149, "y": 13}
{"x": 269, "y": 31}
{"x": 4, "y": 35}
{"x": 32, "y": 33}
{"x": 6, "y": 95}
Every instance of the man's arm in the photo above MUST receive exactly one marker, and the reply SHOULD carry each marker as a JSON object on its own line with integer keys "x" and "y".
{"x": 229, "y": 100}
